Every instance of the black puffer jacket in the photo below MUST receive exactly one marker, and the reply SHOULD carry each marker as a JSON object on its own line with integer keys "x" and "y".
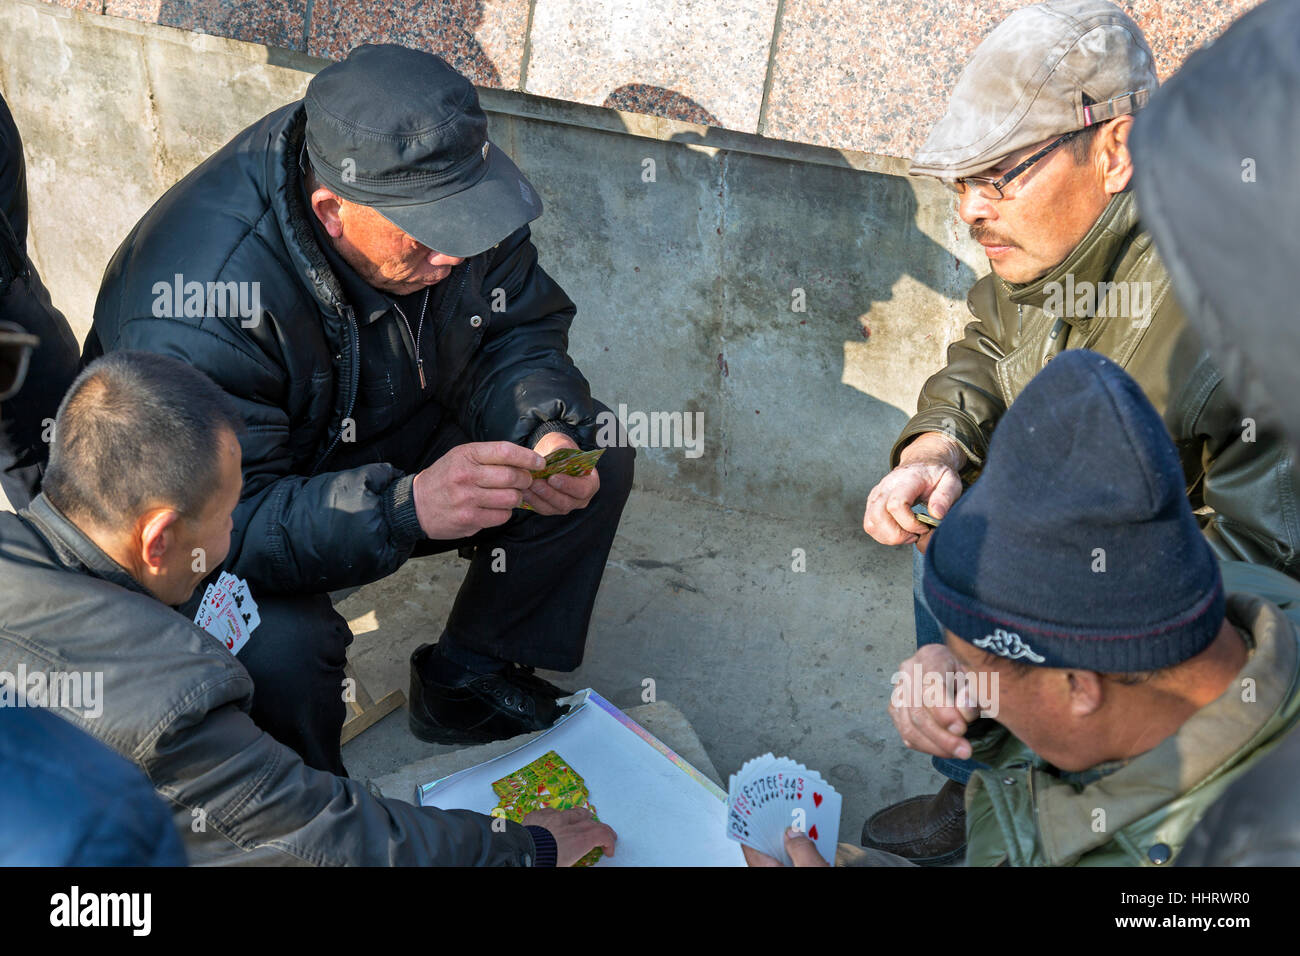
{"x": 296, "y": 371}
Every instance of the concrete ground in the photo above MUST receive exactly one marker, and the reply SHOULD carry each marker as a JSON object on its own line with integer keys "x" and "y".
{"x": 703, "y": 601}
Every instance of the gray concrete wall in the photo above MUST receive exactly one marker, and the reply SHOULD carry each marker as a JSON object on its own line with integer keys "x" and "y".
{"x": 686, "y": 285}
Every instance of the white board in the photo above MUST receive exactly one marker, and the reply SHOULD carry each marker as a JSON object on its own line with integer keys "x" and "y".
{"x": 665, "y": 812}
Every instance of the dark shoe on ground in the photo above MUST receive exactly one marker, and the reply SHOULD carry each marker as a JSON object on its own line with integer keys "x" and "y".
{"x": 454, "y": 705}
{"x": 929, "y": 831}
{"x": 523, "y": 675}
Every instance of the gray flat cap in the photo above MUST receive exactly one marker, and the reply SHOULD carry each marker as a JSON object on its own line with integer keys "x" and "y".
{"x": 1045, "y": 70}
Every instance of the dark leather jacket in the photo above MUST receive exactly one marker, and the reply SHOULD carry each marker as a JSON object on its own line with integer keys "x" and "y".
{"x": 1240, "y": 476}
{"x": 175, "y": 702}
{"x": 309, "y": 521}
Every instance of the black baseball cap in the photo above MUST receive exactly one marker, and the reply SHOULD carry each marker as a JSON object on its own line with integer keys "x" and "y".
{"x": 400, "y": 131}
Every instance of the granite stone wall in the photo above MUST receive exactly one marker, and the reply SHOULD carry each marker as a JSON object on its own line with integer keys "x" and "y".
{"x": 867, "y": 75}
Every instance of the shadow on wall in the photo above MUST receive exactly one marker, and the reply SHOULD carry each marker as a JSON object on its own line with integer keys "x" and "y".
{"x": 821, "y": 295}
{"x": 644, "y": 98}
{"x": 444, "y": 27}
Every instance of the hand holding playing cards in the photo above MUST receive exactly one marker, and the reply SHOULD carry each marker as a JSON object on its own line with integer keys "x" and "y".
{"x": 802, "y": 851}
{"x": 473, "y": 487}
{"x": 560, "y": 494}
{"x": 937, "y": 730}
{"x": 771, "y": 796}
{"x": 576, "y": 833}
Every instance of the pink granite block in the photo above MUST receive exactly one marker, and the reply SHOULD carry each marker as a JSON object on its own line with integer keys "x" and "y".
{"x": 683, "y": 59}
{"x": 90, "y": 6}
{"x": 483, "y": 39}
{"x": 875, "y": 78}
{"x": 271, "y": 22}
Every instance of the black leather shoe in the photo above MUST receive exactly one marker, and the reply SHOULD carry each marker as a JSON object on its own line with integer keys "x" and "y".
{"x": 524, "y": 676}
{"x": 929, "y": 831}
{"x": 472, "y": 708}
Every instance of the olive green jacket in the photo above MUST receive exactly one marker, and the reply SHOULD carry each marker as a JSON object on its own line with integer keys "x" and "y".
{"x": 1240, "y": 478}
{"x": 1023, "y": 812}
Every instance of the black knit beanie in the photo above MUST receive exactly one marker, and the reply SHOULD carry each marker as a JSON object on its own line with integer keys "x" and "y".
{"x": 1077, "y": 547}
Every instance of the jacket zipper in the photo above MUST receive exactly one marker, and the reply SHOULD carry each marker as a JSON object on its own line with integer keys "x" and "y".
{"x": 355, "y": 351}
{"x": 418, "y": 335}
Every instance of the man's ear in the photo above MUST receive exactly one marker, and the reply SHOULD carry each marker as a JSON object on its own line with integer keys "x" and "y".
{"x": 157, "y": 537}
{"x": 326, "y": 206}
{"x": 1114, "y": 161}
{"x": 1085, "y": 692}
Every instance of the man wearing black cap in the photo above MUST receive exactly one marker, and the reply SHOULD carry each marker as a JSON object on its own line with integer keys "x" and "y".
{"x": 1131, "y": 681}
{"x": 1035, "y": 145}
{"x": 355, "y": 270}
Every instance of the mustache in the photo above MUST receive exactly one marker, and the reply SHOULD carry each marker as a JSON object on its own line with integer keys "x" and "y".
{"x": 983, "y": 234}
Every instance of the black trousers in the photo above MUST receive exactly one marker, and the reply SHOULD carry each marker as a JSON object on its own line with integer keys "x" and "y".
{"x": 533, "y": 609}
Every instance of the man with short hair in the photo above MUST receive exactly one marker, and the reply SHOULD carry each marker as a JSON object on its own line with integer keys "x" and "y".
{"x": 143, "y": 476}
{"x": 1035, "y": 144}
{"x": 65, "y": 798}
{"x": 1124, "y": 701}
{"x": 356, "y": 271}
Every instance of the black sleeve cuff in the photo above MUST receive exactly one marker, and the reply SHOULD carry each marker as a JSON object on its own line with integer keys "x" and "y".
{"x": 399, "y": 510}
{"x": 545, "y": 428}
{"x": 545, "y": 852}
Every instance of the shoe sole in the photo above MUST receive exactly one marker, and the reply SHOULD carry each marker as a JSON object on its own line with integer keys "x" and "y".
{"x": 449, "y": 735}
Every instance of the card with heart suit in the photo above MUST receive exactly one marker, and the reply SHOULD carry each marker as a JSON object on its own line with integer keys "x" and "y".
{"x": 228, "y": 612}
{"x": 771, "y": 794}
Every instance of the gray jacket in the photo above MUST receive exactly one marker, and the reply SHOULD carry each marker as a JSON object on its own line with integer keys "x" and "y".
{"x": 176, "y": 702}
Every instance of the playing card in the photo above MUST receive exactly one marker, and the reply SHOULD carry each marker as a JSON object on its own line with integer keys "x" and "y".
{"x": 569, "y": 461}
{"x": 548, "y": 782}
{"x": 244, "y": 604}
{"x": 770, "y": 794}
{"x": 228, "y": 612}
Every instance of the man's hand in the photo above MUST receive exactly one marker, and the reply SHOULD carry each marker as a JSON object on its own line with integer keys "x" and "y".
{"x": 576, "y": 833}
{"x": 803, "y": 852}
{"x": 473, "y": 487}
{"x": 934, "y": 730}
{"x": 927, "y": 472}
{"x": 560, "y": 494}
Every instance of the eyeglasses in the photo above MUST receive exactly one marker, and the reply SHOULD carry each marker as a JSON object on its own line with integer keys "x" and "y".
{"x": 993, "y": 188}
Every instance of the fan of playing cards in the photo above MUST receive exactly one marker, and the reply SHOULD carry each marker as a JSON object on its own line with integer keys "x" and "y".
{"x": 771, "y": 794}
{"x": 228, "y": 612}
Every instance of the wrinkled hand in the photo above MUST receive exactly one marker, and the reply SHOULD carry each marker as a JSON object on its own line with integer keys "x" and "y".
{"x": 936, "y": 730}
{"x": 560, "y": 494}
{"x": 803, "y": 852}
{"x": 576, "y": 833}
{"x": 927, "y": 472}
{"x": 473, "y": 487}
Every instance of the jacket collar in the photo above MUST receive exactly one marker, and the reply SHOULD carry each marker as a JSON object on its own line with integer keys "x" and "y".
{"x": 294, "y": 216}
{"x": 1091, "y": 260}
{"x": 1212, "y": 739}
{"x": 72, "y": 548}
{"x": 370, "y": 304}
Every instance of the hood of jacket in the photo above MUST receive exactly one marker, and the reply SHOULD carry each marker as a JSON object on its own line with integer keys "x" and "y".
{"x": 1214, "y": 157}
